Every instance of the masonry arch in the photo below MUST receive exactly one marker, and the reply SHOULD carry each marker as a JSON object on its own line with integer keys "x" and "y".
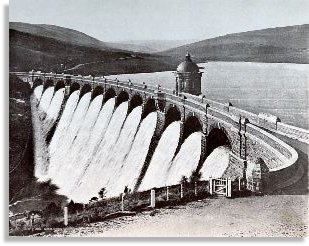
{"x": 110, "y": 93}
{"x": 98, "y": 90}
{"x": 136, "y": 100}
{"x": 149, "y": 106}
{"x": 48, "y": 83}
{"x": 192, "y": 124}
{"x": 60, "y": 84}
{"x": 217, "y": 137}
{"x": 122, "y": 97}
{"x": 85, "y": 89}
{"x": 172, "y": 114}
{"x": 74, "y": 87}
{"x": 37, "y": 82}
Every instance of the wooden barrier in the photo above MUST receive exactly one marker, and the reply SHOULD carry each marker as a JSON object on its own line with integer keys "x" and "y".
{"x": 65, "y": 216}
{"x": 152, "y": 198}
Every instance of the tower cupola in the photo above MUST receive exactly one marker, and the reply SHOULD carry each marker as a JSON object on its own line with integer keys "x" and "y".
{"x": 188, "y": 77}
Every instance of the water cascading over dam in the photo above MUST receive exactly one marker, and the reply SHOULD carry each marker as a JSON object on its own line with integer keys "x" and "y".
{"x": 104, "y": 145}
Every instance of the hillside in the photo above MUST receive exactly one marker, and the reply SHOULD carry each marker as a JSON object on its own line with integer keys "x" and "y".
{"x": 282, "y": 44}
{"x": 45, "y": 48}
{"x": 59, "y": 33}
{"x": 149, "y": 46}
{"x": 78, "y": 38}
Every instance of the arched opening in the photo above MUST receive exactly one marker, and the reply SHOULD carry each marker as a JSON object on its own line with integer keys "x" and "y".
{"x": 74, "y": 87}
{"x": 216, "y": 137}
{"x": 37, "y": 82}
{"x": 173, "y": 114}
{"x": 110, "y": 93}
{"x": 60, "y": 84}
{"x": 48, "y": 83}
{"x": 150, "y": 106}
{"x": 97, "y": 91}
{"x": 135, "y": 101}
{"x": 86, "y": 88}
{"x": 122, "y": 97}
{"x": 192, "y": 124}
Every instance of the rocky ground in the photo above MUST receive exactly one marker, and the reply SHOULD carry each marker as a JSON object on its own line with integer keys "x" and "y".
{"x": 267, "y": 216}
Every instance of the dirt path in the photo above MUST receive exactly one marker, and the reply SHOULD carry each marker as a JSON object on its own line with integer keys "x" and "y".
{"x": 276, "y": 216}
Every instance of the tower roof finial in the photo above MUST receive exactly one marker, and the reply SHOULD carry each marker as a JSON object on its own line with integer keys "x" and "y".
{"x": 188, "y": 56}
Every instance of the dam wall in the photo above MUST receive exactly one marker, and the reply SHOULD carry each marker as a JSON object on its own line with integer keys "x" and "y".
{"x": 245, "y": 134}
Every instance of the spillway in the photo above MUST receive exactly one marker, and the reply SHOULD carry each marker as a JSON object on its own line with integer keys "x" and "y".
{"x": 162, "y": 158}
{"x": 186, "y": 161}
{"x": 96, "y": 135}
{"x": 97, "y": 172}
{"x": 55, "y": 106}
{"x": 96, "y": 146}
{"x": 46, "y": 99}
{"x": 78, "y": 150}
{"x": 37, "y": 92}
{"x": 216, "y": 163}
{"x": 64, "y": 122}
{"x": 59, "y": 158}
{"x": 134, "y": 161}
{"x": 52, "y": 112}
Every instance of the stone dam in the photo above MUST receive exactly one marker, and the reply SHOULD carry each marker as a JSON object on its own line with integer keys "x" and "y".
{"x": 93, "y": 132}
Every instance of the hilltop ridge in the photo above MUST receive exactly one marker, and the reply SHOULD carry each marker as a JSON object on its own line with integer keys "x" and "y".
{"x": 281, "y": 44}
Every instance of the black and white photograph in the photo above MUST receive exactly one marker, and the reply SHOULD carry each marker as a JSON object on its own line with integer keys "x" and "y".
{"x": 165, "y": 119}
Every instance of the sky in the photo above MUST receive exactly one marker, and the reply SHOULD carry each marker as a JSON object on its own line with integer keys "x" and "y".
{"x": 121, "y": 20}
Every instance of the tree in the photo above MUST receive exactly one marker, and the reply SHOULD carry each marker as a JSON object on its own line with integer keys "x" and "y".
{"x": 195, "y": 176}
{"x": 184, "y": 180}
{"x": 51, "y": 210}
{"x": 93, "y": 199}
{"x": 102, "y": 193}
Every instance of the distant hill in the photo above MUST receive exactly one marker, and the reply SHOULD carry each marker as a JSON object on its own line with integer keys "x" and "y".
{"x": 78, "y": 38}
{"x": 149, "y": 46}
{"x": 46, "y": 47}
{"x": 59, "y": 33}
{"x": 282, "y": 44}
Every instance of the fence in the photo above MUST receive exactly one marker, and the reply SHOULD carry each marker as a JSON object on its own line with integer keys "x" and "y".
{"x": 131, "y": 203}
{"x": 173, "y": 195}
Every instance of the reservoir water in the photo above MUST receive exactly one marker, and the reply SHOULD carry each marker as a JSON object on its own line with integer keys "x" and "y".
{"x": 280, "y": 89}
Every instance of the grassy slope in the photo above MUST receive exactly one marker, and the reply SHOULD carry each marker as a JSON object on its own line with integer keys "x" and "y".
{"x": 149, "y": 46}
{"x": 38, "y": 48}
{"x": 282, "y": 44}
{"x": 20, "y": 151}
{"x": 59, "y": 33}
{"x": 78, "y": 38}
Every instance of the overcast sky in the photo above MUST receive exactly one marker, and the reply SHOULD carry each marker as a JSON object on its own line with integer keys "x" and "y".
{"x": 117, "y": 20}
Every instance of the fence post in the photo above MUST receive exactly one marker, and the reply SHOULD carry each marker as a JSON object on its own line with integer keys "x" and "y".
{"x": 239, "y": 184}
{"x": 229, "y": 188}
{"x": 66, "y": 217}
{"x": 195, "y": 188}
{"x": 181, "y": 190}
{"x": 152, "y": 198}
{"x": 252, "y": 185}
{"x": 210, "y": 186}
{"x": 167, "y": 193}
{"x": 122, "y": 202}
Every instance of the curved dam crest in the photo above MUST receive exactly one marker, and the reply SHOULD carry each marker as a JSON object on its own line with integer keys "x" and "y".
{"x": 113, "y": 134}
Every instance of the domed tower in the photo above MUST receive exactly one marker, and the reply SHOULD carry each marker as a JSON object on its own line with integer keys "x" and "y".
{"x": 188, "y": 77}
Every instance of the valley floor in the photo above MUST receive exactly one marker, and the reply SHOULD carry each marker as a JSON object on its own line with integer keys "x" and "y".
{"x": 265, "y": 216}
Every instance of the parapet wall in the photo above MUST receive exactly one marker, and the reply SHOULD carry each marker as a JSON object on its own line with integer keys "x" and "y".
{"x": 277, "y": 154}
{"x": 268, "y": 122}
